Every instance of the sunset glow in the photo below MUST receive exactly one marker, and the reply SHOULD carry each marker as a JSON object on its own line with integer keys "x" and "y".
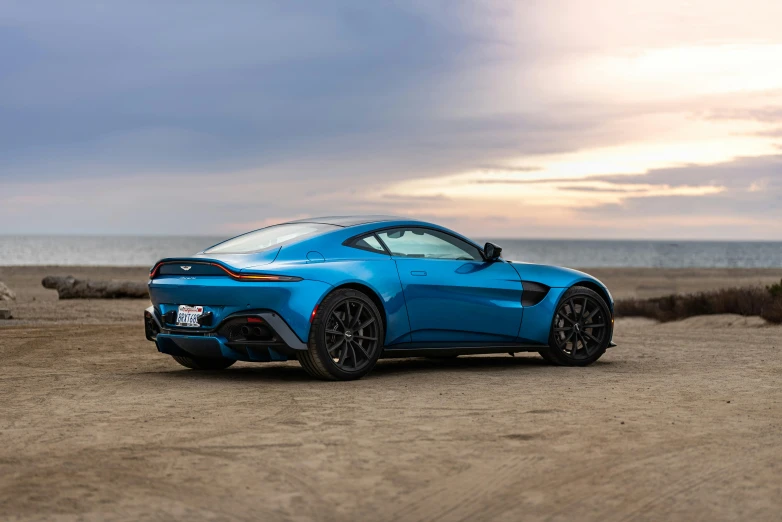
{"x": 627, "y": 119}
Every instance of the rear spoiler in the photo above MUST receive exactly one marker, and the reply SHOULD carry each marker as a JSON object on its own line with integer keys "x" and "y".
{"x": 211, "y": 267}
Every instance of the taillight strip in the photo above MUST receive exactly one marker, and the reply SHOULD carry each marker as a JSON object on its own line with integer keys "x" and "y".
{"x": 236, "y": 275}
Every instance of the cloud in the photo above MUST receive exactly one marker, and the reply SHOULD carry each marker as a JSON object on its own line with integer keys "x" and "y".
{"x": 749, "y": 207}
{"x": 761, "y": 114}
{"x": 738, "y": 174}
{"x": 486, "y": 115}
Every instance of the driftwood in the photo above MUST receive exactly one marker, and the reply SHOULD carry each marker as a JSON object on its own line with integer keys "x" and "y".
{"x": 6, "y": 294}
{"x": 72, "y": 288}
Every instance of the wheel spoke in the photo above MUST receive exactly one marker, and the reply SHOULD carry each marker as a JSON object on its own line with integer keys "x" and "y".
{"x": 364, "y": 337}
{"x": 353, "y": 353}
{"x": 587, "y": 334}
{"x": 563, "y": 316}
{"x": 595, "y": 344}
{"x": 602, "y": 325}
{"x": 348, "y": 320}
{"x": 344, "y": 354}
{"x": 362, "y": 349}
{"x": 339, "y": 320}
{"x": 357, "y": 317}
{"x": 565, "y": 329}
{"x": 573, "y": 310}
{"x": 365, "y": 324}
{"x": 334, "y": 332}
{"x": 567, "y": 340}
{"x": 335, "y": 345}
{"x": 583, "y": 308}
{"x": 589, "y": 318}
{"x": 584, "y": 344}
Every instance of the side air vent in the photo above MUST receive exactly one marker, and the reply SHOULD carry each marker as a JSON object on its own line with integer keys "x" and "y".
{"x": 533, "y": 293}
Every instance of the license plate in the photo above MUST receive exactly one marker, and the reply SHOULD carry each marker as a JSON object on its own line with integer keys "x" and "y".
{"x": 188, "y": 316}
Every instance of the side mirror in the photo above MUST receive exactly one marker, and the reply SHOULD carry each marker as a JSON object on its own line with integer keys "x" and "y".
{"x": 492, "y": 251}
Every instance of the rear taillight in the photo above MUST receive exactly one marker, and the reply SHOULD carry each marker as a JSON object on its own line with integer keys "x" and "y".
{"x": 271, "y": 278}
{"x": 265, "y": 277}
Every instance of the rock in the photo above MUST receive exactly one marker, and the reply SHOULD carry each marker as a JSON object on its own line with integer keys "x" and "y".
{"x": 71, "y": 288}
{"x": 5, "y": 314}
{"x": 6, "y": 294}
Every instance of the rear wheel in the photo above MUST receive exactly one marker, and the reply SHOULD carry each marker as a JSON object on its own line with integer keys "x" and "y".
{"x": 581, "y": 329}
{"x": 346, "y": 337}
{"x": 203, "y": 363}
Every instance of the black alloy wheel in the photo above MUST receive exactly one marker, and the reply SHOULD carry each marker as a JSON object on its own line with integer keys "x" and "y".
{"x": 346, "y": 337}
{"x": 581, "y": 329}
{"x": 351, "y": 335}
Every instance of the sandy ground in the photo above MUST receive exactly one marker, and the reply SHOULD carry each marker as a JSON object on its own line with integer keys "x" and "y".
{"x": 681, "y": 422}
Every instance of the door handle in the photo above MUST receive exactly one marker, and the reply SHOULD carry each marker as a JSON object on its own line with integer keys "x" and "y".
{"x": 418, "y": 273}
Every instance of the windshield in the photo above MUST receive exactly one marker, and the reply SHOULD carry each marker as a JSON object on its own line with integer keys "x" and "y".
{"x": 267, "y": 237}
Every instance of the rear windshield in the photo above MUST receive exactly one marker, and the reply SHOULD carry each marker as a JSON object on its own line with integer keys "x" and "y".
{"x": 264, "y": 238}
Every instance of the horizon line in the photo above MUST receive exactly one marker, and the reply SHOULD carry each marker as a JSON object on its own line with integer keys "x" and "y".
{"x": 496, "y": 238}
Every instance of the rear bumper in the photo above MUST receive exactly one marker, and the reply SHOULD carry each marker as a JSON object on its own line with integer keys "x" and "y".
{"x": 224, "y": 297}
{"x": 214, "y": 343}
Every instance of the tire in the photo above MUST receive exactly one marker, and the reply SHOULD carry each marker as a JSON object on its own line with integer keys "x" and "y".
{"x": 203, "y": 363}
{"x": 346, "y": 337}
{"x": 581, "y": 329}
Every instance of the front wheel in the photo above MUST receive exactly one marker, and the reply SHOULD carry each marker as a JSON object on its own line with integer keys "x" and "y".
{"x": 581, "y": 329}
{"x": 203, "y": 363}
{"x": 346, "y": 337}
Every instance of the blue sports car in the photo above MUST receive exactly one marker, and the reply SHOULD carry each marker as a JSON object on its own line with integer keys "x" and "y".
{"x": 338, "y": 293}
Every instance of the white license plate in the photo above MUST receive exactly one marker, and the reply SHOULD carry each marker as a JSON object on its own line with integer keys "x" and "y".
{"x": 188, "y": 316}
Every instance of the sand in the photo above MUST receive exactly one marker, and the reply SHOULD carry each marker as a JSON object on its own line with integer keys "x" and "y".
{"x": 682, "y": 421}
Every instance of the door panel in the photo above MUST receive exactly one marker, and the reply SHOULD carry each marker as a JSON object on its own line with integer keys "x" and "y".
{"x": 461, "y": 301}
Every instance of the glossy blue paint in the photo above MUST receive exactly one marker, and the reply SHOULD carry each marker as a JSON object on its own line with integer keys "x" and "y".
{"x": 422, "y": 300}
{"x": 315, "y": 257}
{"x": 224, "y": 296}
{"x": 553, "y": 276}
{"x": 449, "y": 300}
{"x": 536, "y": 326}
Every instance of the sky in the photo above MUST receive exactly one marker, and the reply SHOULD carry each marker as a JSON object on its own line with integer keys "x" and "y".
{"x": 575, "y": 119}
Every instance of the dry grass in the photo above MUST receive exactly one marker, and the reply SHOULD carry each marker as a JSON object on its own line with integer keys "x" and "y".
{"x": 749, "y": 301}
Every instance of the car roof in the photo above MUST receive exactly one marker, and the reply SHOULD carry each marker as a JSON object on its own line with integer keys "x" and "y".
{"x": 363, "y": 223}
{"x": 350, "y": 221}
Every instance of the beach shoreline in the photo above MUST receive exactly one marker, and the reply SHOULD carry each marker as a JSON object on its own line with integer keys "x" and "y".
{"x": 36, "y": 304}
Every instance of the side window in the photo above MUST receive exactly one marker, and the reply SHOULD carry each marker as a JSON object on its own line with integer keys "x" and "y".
{"x": 368, "y": 243}
{"x": 429, "y": 244}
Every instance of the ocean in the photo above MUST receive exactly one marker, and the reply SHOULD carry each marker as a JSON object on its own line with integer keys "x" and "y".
{"x": 145, "y": 250}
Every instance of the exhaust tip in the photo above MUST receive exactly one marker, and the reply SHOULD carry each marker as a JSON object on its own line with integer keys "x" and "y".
{"x": 151, "y": 329}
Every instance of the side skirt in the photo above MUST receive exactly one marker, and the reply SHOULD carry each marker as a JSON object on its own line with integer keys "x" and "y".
{"x": 423, "y": 350}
